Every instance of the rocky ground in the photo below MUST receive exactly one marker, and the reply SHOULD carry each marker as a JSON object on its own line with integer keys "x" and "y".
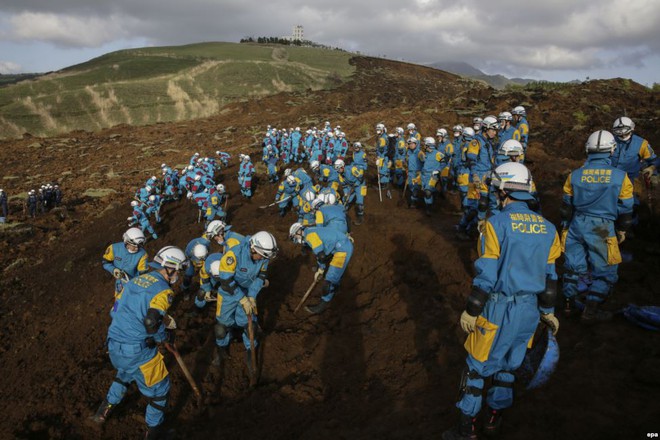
{"x": 385, "y": 360}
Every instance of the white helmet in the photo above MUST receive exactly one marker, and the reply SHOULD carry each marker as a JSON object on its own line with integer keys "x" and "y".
{"x": 505, "y": 116}
{"x": 315, "y": 165}
{"x": 291, "y": 180}
{"x": 264, "y": 244}
{"x": 293, "y": 232}
{"x": 170, "y": 257}
{"x": 148, "y": 188}
{"x": 220, "y": 188}
{"x": 357, "y": 146}
{"x": 441, "y": 133}
{"x": 380, "y": 127}
{"x": 287, "y": 172}
{"x": 309, "y": 195}
{"x": 134, "y": 203}
{"x": 457, "y": 128}
{"x": 601, "y": 141}
{"x": 152, "y": 198}
{"x": 623, "y": 126}
{"x": 163, "y": 165}
{"x": 339, "y": 164}
{"x": 429, "y": 142}
{"x": 317, "y": 202}
{"x": 134, "y": 236}
{"x": 511, "y": 148}
{"x": 198, "y": 177}
{"x": 512, "y": 176}
{"x": 519, "y": 110}
{"x": 468, "y": 133}
{"x": 330, "y": 199}
{"x": 297, "y": 128}
{"x": 245, "y": 158}
{"x": 399, "y": 131}
{"x": 200, "y": 251}
{"x": 216, "y": 227}
{"x": 217, "y": 152}
{"x": 411, "y": 126}
{"x": 490, "y": 122}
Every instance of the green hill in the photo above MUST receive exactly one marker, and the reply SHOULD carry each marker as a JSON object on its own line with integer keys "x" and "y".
{"x": 158, "y": 84}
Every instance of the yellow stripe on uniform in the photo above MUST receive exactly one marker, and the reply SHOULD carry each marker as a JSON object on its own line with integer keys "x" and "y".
{"x": 338, "y": 260}
{"x": 626, "y": 189}
{"x": 232, "y": 242}
{"x": 154, "y": 370}
{"x": 491, "y": 243}
{"x": 109, "y": 255}
{"x": 568, "y": 186}
{"x": 161, "y": 301}
{"x": 319, "y": 218}
{"x": 228, "y": 262}
{"x": 142, "y": 264}
{"x": 555, "y": 250}
{"x": 314, "y": 240}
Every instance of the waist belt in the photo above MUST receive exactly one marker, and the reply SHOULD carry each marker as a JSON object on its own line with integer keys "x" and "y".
{"x": 500, "y": 297}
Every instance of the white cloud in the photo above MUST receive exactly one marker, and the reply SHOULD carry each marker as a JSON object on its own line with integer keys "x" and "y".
{"x": 7, "y": 67}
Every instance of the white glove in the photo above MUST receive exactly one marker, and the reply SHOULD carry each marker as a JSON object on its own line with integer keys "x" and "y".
{"x": 189, "y": 195}
{"x": 266, "y": 284}
{"x": 249, "y": 305}
{"x": 468, "y": 323}
{"x": 620, "y": 236}
{"x": 350, "y": 238}
{"x": 481, "y": 225}
{"x": 169, "y": 322}
{"x": 648, "y": 172}
{"x": 118, "y": 273}
{"x": 551, "y": 321}
{"x": 318, "y": 275}
{"x": 210, "y": 297}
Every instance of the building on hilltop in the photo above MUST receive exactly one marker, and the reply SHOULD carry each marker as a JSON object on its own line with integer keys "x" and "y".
{"x": 296, "y": 35}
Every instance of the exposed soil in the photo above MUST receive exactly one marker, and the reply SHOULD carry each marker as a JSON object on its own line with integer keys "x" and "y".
{"x": 385, "y": 360}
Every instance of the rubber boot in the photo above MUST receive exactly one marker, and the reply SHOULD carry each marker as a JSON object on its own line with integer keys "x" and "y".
{"x": 427, "y": 210}
{"x": 318, "y": 308}
{"x": 464, "y": 431}
{"x": 103, "y": 412}
{"x": 282, "y": 212}
{"x": 159, "y": 433}
{"x": 592, "y": 313}
{"x": 221, "y": 353}
{"x": 569, "y": 306}
{"x": 493, "y": 422}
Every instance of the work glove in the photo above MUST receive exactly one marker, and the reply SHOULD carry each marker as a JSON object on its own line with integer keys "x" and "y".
{"x": 481, "y": 225}
{"x": 210, "y": 297}
{"x": 169, "y": 322}
{"x": 350, "y": 238}
{"x": 648, "y": 172}
{"x": 620, "y": 236}
{"x": 551, "y": 321}
{"x": 118, "y": 273}
{"x": 189, "y": 195}
{"x": 318, "y": 275}
{"x": 266, "y": 284}
{"x": 468, "y": 322}
{"x": 249, "y": 305}
{"x": 476, "y": 180}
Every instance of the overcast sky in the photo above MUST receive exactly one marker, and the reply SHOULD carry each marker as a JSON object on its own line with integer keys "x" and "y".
{"x": 555, "y": 40}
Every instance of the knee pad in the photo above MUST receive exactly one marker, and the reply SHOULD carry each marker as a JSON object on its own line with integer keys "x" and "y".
{"x": 464, "y": 388}
{"x": 428, "y": 193}
{"x": 220, "y": 331}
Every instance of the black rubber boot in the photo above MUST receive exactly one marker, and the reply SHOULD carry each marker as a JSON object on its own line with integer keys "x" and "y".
{"x": 159, "y": 433}
{"x": 569, "y": 306}
{"x": 219, "y": 356}
{"x": 464, "y": 431}
{"x": 592, "y": 313}
{"x": 282, "y": 212}
{"x": 103, "y": 412}
{"x": 493, "y": 422}
{"x": 318, "y": 308}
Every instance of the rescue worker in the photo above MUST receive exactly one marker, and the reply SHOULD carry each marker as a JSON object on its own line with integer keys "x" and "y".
{"x": 413, "y": 133}
{"x": 515, "y": 285}
{"x": 245, "y": 172}
{"x": 288, "y": 189}
{"x": 141, "y": 219}
{"x": 359, "y": 156}
{"x": 507, "y": 130}
{"x": 139, "y": 323}
{"x": 382, "y": 141}
{"x": 633, "y": 154}
{"x": 270, "y": 156}
{"x": 127, "y": 259}
{"x": 57, "y": 195}
{"x": 153, "y": 206}
{"x": 520, "y": 122}
{"x": 355, "y": 189}
{"x": 444, "y": 146}
{"x": 333, "y": 250}
{"x": 596, "y": 213}
{"x": 414, "y": 169}
{"x": 241, "y": 272}
{"x": 400, "y": 158}
{"x": 430, "y": 174}
{"x": 3, "y": 206}
{"x": 384, "y": 166}
{"x": 330, "y": 214}
{"x": 196, "y": 251}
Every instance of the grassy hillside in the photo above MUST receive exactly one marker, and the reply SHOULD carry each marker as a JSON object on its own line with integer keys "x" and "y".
{"x": 159, "y": 84}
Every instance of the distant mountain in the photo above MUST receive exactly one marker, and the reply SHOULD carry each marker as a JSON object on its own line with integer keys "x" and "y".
{"x": 465, "y": 69}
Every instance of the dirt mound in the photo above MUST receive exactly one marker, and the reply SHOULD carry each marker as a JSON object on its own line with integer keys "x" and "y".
{"x": 384, "y": 361}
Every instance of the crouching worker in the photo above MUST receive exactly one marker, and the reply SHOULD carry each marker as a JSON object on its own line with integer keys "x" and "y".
{"x": 333, "y": 250}
{"x": 514, "y": 287}
{"x": 139, "y": 323}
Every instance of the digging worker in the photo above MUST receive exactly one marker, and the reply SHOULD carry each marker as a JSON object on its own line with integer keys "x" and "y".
{"x": 127, "y": 259}
{"x": 596, "y": 213}
{"x": 241, "y": 274}
{"x": 3, "y": 206}
{"x": 515, "y": 285}
{"x": 333, "y": 250}
{"x": 139, "y": 323}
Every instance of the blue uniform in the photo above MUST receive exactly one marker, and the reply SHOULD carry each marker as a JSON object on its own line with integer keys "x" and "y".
{"x": 333, "y": 251}
{"x": 286, "y": 191}
{"x": 523, "y": 128}
{"x": 116, "y": 256}
{"x": 245, "y": 172}
{"x": 518, "y": 253}
{"x": 195, "y": 263}
{"x": 3, "y": 206}
{"x": 399, "y": 161}
{"x": 240, "y": 276}
{"x": 135, "y": 359}
{"x": 270, "y": 157}
{"x": 598, "y": 194}
{"x": 382, "y": 142}
{"x": 332, "y": 216}
{"x": 433, "y": 163}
